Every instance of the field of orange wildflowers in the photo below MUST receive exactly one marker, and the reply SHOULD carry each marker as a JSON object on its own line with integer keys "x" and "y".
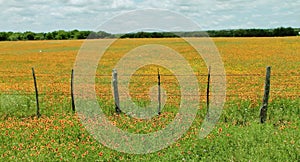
{"x": 245, "y": 61}
{"x": 59, "y": 135}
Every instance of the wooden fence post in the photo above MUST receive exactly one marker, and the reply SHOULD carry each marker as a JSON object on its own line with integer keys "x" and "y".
{"x": 159, "y": 93}
{"x": 116, "y": 91}
{"x": 36, "y": 94}
{"x": 72, "y": 91}
{"x": 264, "y": 108}
{"x": 208, "y": 91}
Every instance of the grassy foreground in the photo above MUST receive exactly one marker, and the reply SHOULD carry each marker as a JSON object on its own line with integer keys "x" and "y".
{"x": 237, "y": 137}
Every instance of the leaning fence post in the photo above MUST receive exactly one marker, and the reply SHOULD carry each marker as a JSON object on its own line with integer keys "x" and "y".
{"x": 208, "y": 91}
{"x": 72, "y": 91}
{"x": 116, "y": 91}
{"x": 159, "y": 92}
{"x": 36, "y": 94}
{"x": 264, "y": 108}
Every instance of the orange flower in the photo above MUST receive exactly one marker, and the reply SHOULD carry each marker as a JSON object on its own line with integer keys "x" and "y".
{"x": 220, "y": 130}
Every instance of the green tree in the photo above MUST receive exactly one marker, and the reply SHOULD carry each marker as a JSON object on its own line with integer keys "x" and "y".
{"x": 102, "y": 34}
{"x": 62, "y": 35}
{"x": 15, "y": 36}
{"x": 28, "y": 35}
{"x": 3, "y": 36}
{"x": 82, "y": 34}
{"x": 284, "y": 32}
{"x": 73, "y": 34}
{"x": 39, "y": 36}
{"x": 49, "y": 36}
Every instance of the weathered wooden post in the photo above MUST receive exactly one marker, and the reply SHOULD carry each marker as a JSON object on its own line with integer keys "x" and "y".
{"x": 159, "y": 92}
{"x": 72, "y": 91}
{"x": 264, "y": 108}
{"x": 116, "y": 91}
{"x": 36, "y": 94}
{"x": 208, "y": 92}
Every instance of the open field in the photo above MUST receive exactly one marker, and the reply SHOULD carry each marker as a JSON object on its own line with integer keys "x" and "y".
{"x": 58, "y": 134}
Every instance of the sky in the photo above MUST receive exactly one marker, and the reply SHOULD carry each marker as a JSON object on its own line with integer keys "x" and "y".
{"x": 50, "y": 15}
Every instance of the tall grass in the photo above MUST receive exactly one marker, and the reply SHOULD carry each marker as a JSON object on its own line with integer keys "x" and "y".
{"x": 237, "y": 137}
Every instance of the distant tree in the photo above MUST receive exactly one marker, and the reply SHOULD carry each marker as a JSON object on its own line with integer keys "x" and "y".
{"x": 150, "y": 35}
{"x": 28, "y": 35}
{"x": 157, "y": 35}
{"x": 49, "y": 36}
{"x": 102, "y": 34}
{"x": 15, "y": 36}
{"x": 92, "y": 35}
{"x": 3, "y": 36}
{"x": 129, "y": 35}
{"x": 62, "y": 35}
{"x": 284, "y": 32}
{"x": 39, "y": 36}
{"x": 169, "y": 35}
{"x": 73, "y": 34}
{"x": 278, "y": 31}
{"x": 83, "y": 34}
{"x": 141, "y": 35}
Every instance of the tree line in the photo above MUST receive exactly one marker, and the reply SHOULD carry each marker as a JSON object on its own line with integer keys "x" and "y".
{"x": 150, "y": 35}
{"x": 55, "y": 35}
{"x": 278, "y": 32}
{"x": 76, "y": 34}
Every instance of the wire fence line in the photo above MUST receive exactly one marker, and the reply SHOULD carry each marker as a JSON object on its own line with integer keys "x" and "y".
{"x": 25, "y": 73}
{"x": 51, "y": 87}
{"x": 21, "y": 83}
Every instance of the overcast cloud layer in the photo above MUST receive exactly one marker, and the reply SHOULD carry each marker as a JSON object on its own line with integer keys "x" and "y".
{"x": 49, "y": 15}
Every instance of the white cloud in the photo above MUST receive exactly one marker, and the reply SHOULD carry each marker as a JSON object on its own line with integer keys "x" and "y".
{"x": 49, "y": 15}
{"x": 122, "y": 4}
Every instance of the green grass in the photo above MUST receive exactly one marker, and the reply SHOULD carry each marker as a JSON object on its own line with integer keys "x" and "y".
{"x": 16, "y": 105}
{"x": 58, "y": 134}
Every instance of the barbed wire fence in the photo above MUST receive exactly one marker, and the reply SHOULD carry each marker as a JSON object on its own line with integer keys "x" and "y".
{"x": 56, "y": 87}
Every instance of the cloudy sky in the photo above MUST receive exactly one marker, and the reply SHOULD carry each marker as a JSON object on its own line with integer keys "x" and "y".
{"x": 49, "y": 15}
